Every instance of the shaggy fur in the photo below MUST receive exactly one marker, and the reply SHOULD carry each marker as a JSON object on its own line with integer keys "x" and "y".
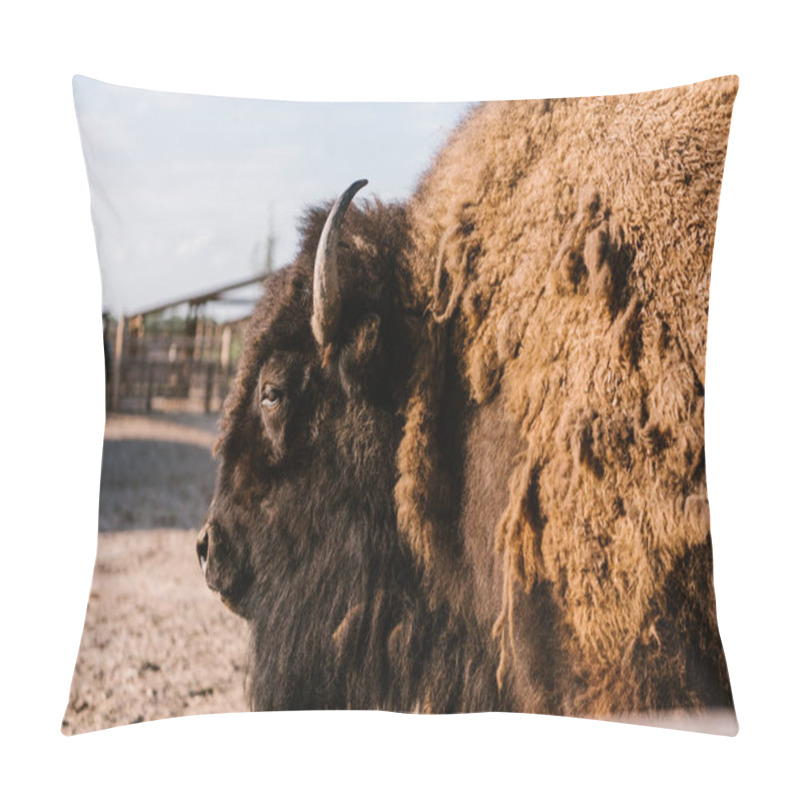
{"x": 490, "y": 492}
{"x": 581, "y": 264}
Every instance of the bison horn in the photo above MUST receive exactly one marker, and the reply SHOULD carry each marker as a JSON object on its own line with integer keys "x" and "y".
{"x": 327, "y": 299}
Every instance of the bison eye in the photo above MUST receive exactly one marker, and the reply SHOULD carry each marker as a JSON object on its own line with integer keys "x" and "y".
{"x": 271, "y": 398}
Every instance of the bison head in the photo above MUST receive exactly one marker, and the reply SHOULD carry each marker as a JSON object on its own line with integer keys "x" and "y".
{"x": 300, "y": 535}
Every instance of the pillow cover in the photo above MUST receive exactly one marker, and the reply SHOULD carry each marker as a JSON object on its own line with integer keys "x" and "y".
{"x": 460, "y": 457}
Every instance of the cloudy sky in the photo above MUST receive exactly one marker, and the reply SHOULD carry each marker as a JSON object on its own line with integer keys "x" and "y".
{"x": 185, "y": 188}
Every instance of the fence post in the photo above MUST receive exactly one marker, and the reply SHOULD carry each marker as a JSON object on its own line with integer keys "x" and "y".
{"x": 149, "y": 402}
{"x": 225, "y": 349}
{"x": 118, "y": 346}
{"x": 209, "y": 387}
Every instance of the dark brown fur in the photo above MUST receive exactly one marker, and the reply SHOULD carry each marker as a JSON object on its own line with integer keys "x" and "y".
{"x": 304, "y": 534}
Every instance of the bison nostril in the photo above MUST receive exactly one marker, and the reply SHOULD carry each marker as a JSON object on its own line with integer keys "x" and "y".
{"x": 202, "y": 549}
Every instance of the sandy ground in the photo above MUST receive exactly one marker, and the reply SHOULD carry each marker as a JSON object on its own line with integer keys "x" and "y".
{"x": 156, "y": 642}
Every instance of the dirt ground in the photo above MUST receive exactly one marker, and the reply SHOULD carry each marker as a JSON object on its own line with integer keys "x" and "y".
{"x": 156, "y": 642}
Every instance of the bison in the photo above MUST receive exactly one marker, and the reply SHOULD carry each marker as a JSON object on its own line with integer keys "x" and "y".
{"x": 461, "y": 467}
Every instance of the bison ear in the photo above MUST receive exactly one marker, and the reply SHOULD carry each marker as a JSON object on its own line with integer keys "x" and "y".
{"x": 365, "y": 339}
{"x": 357, "y": 360}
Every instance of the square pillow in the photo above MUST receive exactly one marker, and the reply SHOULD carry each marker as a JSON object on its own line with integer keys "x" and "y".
{"x": 433, "y": 446}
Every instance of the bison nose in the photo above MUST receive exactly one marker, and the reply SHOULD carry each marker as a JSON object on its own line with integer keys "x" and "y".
{"x": 202, "y": 549}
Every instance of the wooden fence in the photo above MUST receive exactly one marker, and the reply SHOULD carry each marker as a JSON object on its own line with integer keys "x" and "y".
{"x": 170, "y": 365}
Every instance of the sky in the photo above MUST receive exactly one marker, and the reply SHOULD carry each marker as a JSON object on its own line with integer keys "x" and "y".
{"x": 185, "y": 189}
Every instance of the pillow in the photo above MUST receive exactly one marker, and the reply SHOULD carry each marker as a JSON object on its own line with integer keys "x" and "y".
{"x": 458, "y": 431}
